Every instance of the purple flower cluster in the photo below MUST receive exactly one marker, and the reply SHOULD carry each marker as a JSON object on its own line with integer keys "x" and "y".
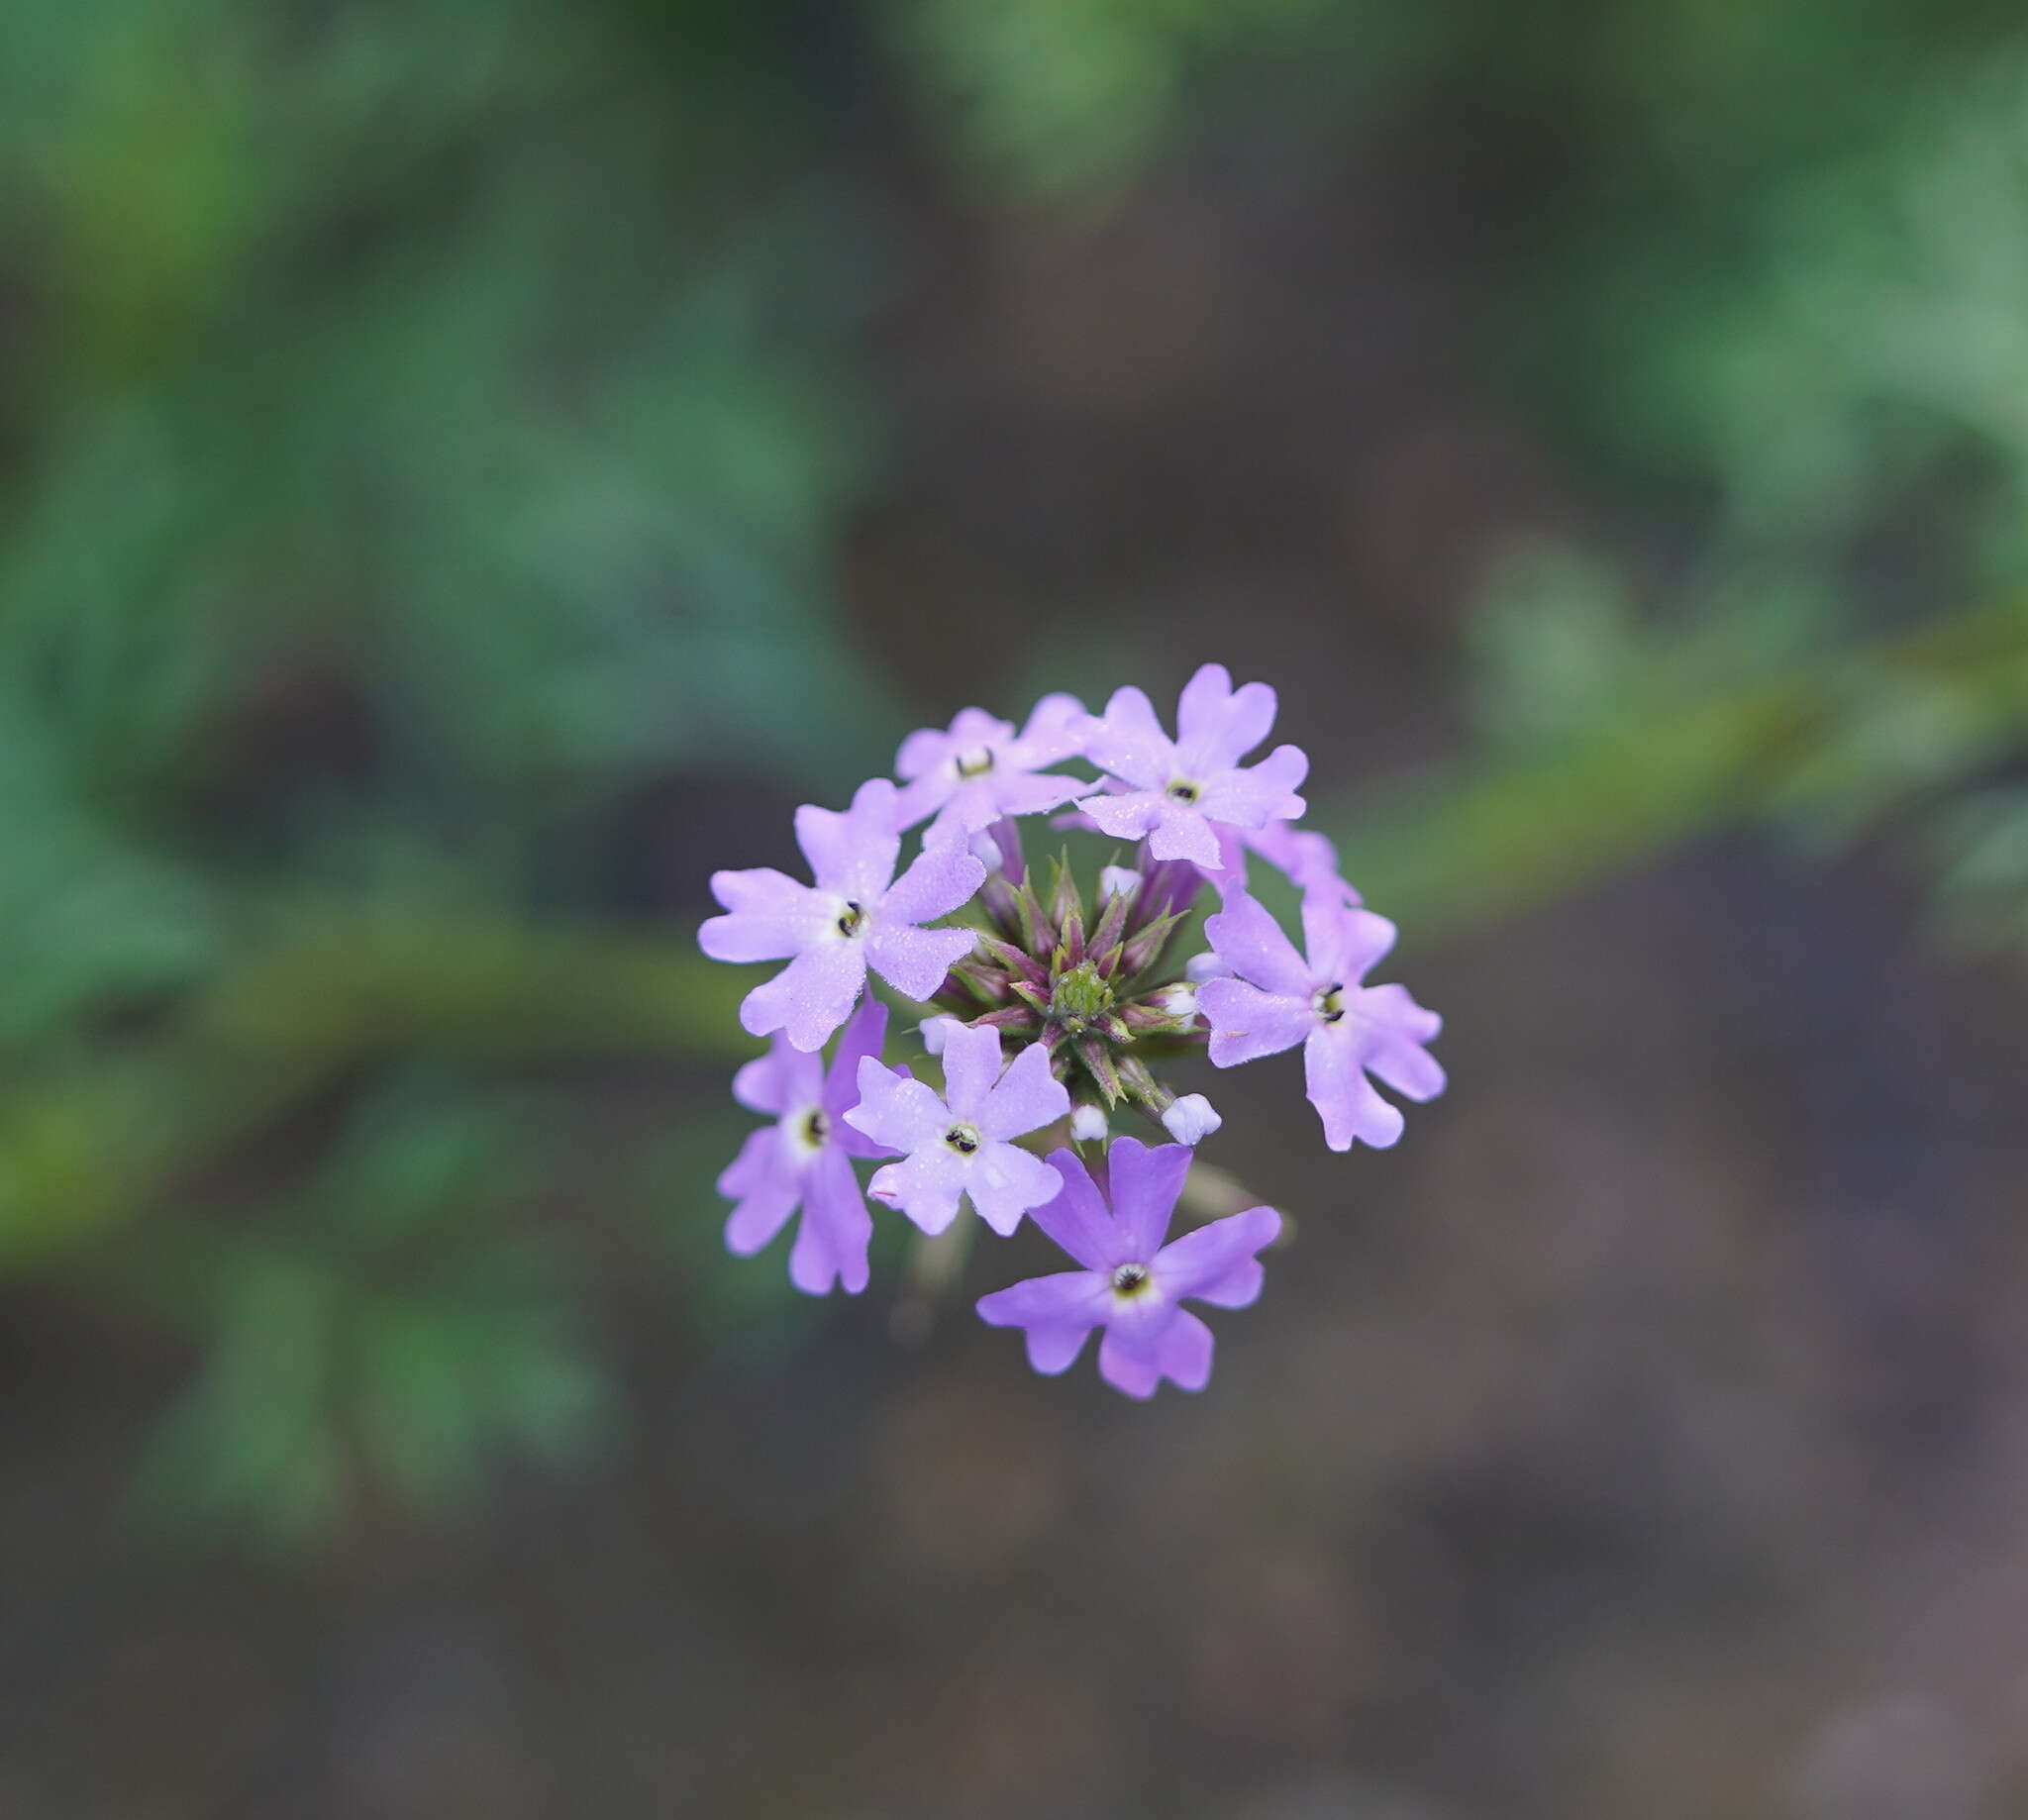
{"x": 1055, "y": 1007}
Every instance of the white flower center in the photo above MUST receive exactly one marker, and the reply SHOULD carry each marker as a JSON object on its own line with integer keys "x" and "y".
{"x": 852, "y": 919}
{"x": 1130, "y": 1280}
{"x": 1182, "y": 790}
{"x": 807, "y": 1129}
{"x": 976, "y": 762}
{"x": 964, "y": 1139}
{"x": 1329, "y": 1004}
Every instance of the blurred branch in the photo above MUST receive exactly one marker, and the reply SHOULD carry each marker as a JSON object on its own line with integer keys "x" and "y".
{"x": 1491, "y": 841}
{"x": 86, "y": 1150}
{"x": 82, "y": 1151}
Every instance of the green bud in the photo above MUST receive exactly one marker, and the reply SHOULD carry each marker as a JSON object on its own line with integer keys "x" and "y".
{"x": 1138, "y": 1085}
{"x": 1067, "y": 908}
{"x": 1098, "y": 1064}
{"x": 1112, "y": 927}
{"x": 1146, "y": 945}
{"x": 1081, "y": 997}
{"x": 1014, "y": 960}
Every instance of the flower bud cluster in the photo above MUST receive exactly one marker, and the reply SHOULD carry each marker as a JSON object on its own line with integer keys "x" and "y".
{"x": 1053, "y": 1008}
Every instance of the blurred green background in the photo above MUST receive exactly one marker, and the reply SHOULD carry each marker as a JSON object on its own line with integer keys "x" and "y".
{"x": 468, "y": 470}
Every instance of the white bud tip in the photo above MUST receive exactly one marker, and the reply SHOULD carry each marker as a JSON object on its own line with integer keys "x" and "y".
{"x": 1088, "y": 1124}
{"x": 1179, "y": 1000}
{"x": 932, "y": 1034}
{"x": 985, "y": 850}
{"x": 1118, "y": 881}
{"x": 1190, "y": 1119}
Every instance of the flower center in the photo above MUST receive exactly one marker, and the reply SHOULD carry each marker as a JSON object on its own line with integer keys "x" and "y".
{"x": 975, "y": 763}
{"x": 1079, "y": 996}
{"x": 964, "y": 1139}
{"x": 850, "y": 919}
{"x": 1130, "y": 1279}
{"x": 1183, "y": 791}
{"x": 808, "y": 1131}
{"x": 1329, "y": 1004}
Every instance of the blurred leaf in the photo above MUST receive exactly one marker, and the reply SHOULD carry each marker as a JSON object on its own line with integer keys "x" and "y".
{"x": 1554, "y": 643}
{"x": 1551, "y": 817}
{"x": 1980, "y": 850}
{"x": 351, "y": 1362}
{"x": 96, "y": 1144}
{"x": 1050, "y": 95}
{"x": 89, "y": 920}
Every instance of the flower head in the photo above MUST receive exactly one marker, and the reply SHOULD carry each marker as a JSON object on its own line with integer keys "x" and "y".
{"x": 1348, "y": 1030}
{"x": 980, "y": 769}
{"x": 961, "y": 1145}
{"x": 1132, "y": 1285}
{"x": 1179, "y": 792}
{"x": 856, "y": 915}
{"x": 1059, "y": 1004}
{"x": 804, "y": 1158}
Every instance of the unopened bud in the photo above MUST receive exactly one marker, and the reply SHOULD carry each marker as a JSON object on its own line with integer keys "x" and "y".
{"x": 1088, "y": 1124}
{"x": 1081, "y": 997}
{"x": 1200, "y": 967}
{"x": 1118, "y": 881}
{"x": 1191, "y": 1117}
{"x": 1143, "y": 948}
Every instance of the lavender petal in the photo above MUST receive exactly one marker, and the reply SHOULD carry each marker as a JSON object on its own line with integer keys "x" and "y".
{"x": 1077, "y": 1219}
{"x": 853, "y": 854}
{"x": 1146, "y": 1184}
{"x": 897, "y": 1113}
{"x": 1024, "y": 1099}
{"x": 810, "y": 997}
{"x": 769, "y": 916}
{"x": 1005, "y": 1181}
{"x": 914, "y": 960}
{"x": 1250, "y": 942}
{"x": 1248, "y": 1023}
{"x": 1352, "y": 1110}
{"x": 1216, "y": 1262}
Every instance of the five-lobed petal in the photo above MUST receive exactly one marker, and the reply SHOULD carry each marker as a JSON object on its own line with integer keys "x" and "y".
{"x": 855, "y": 915}
{"x": 1350, "y": 1032}
{"x": 1177, "y": 795}
{"x": 1132, "y": 1285}
{"x": 804, "y": 1158}
{"x": 959, "y": 1145}
{"x": 980, "y": 769}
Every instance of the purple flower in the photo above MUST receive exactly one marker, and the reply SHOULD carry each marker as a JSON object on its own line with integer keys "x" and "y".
{"x": 1346, "y": 1030}
{"x": 805, "y": 1157}
{"x": 1178, "y": 791}
{"x": 980, "y": 771}
{"x": 1132, "y": 1285}
{"x": 959, "y": 1145}
{"x": 853, "y": 918}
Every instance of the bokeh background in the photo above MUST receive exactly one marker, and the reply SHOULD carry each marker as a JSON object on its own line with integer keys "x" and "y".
{"x": 469, "y": 467}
